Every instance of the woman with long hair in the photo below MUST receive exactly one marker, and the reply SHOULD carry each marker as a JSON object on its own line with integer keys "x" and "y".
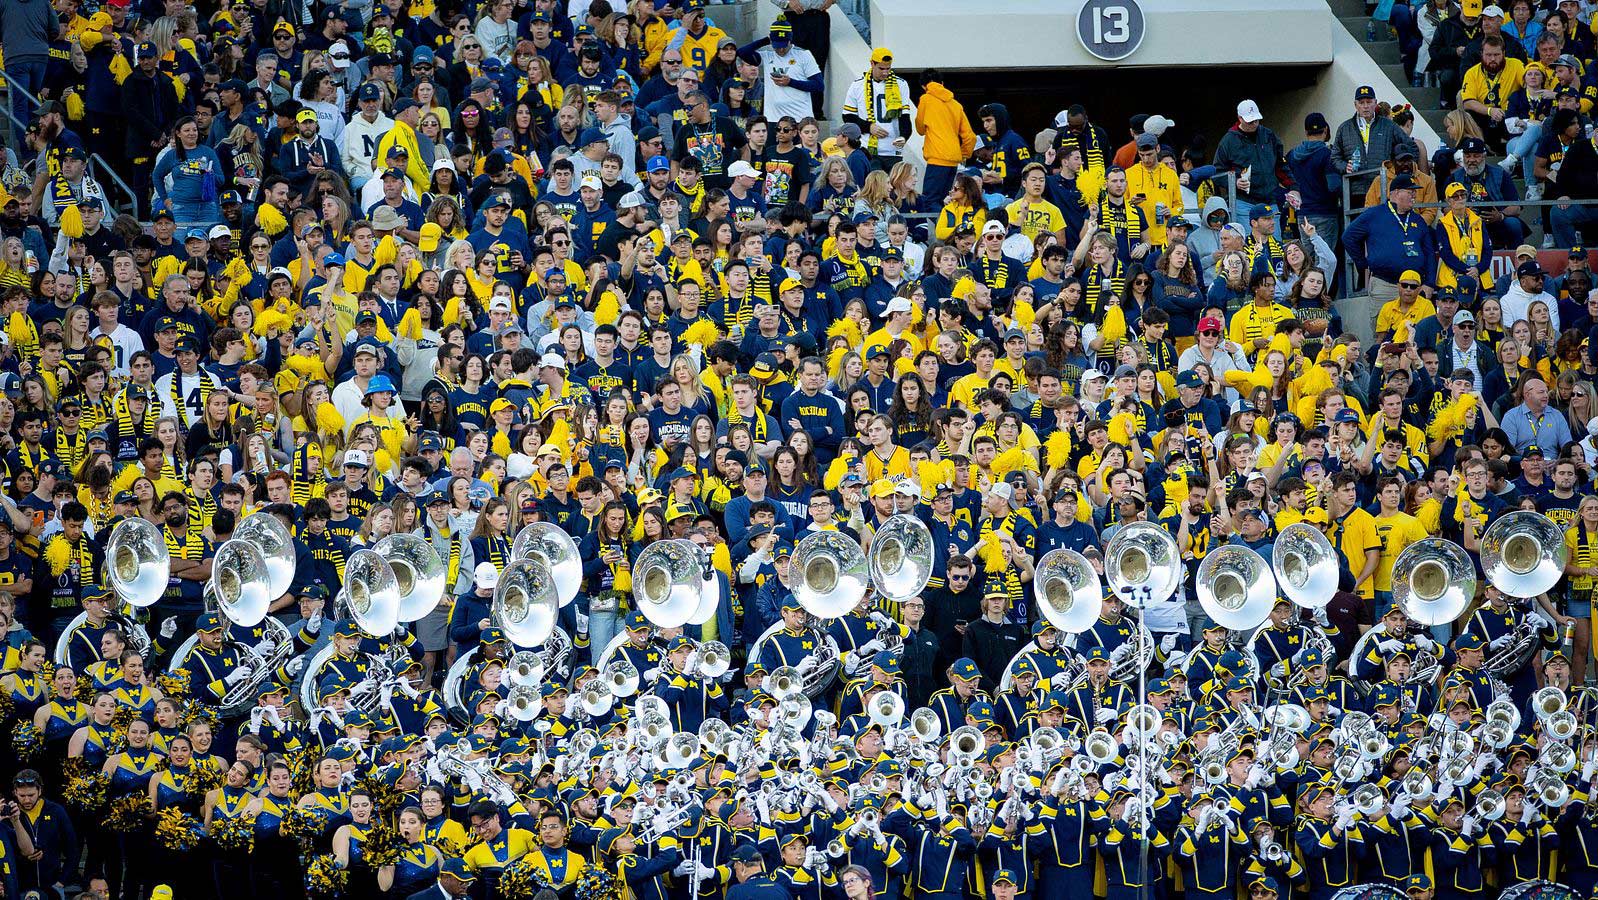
{"x": 834, "y": 188}
{"x": 490, "y": 542}
{"x": 195, "y": 175}
{"x": 963, "y": 208}
{"x": 608, "y": 556}
{"x": 911, "y": 411}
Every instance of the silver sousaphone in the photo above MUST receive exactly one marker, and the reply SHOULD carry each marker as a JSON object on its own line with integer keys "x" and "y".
{"x": 419, "y": 573}
{"x": 1235, "y": 586}
{"x": 1305, "y": 565}
{"x": 1433, "y": 581}
{"x": 546, "y": 542}
{"x": 138, "y": 566}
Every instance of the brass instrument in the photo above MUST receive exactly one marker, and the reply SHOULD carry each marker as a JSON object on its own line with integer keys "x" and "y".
{"x": 525, "y": 603}
{"x": 138, "y": 566}
{"x": 667, "y": 582}
{"x": 550, "y": 545}
{"x": 419, "y": 574}
{"x": 1306, "y": 565}
{"x": 1069, "y": 593}
{"x": 1142, "y": 564}
{"x": 1433, "y": 581}
{"x": 1235, "y": 586}
{"x": 900, "y": 560}
{"x": 1523, "y": 553}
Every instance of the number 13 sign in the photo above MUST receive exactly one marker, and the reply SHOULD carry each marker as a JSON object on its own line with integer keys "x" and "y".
{"x": 1112, "y": 30}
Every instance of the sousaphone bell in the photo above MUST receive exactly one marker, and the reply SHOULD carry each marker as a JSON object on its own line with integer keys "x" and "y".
{"x": 525, "y": 604}
{"x": 668, "y": 583}
{"x": 371, "y": 595}
{"x": 268, "y": 533}
{"x": 1305, "y": 565}
{"x": 239, "y": 581}
{"x": 1235, "y": 587}
{"x": 418, "y": 573}
{"x": 1433, "y": 581}
{"x": 1523, "y": 553}
{"x": 1142, "y": 564}
{"x": 829, "y": 574}
{"x": 138, "y": 563}
{"x": 900, "y": 561}
{"x": 1068, "y": 590}
{"x": 556, "y": 549}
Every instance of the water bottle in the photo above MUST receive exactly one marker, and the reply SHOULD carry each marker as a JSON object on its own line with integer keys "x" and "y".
{"x": 1370, "y": 32}
{"x": 1471, "y": 259}
{"x": 1357, "y": 158}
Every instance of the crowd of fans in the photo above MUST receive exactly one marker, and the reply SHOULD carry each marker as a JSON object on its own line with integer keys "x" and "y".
{"x": 452, "y": 269}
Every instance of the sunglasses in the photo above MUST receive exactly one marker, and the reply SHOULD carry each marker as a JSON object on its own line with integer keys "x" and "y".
{"x": 1409, "y": 286}
{"x": 560, "y": 243}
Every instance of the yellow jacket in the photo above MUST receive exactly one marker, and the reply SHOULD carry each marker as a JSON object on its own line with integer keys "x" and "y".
{"x": 1159, "y": 185}
{"x": 941, "y": 120}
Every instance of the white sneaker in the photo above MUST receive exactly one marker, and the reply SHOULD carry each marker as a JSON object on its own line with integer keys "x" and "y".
{"x": 1534, "y": 193}
{"x": 1509, "y": 163}
{"x": 1548, "y": 242}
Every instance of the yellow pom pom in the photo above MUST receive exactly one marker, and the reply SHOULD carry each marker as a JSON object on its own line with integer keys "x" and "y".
{"x": 75, "y": 100}
{"x": 835, "y": 361}
{"x": 328, "y": 419}
{"x": 410, "y": 325}
{"x": 903, "y": 366}
{"x": 1024, "y": 315}
{"x": 607, "y": 310}
{"x": 1122, "y": 427}
{"x": 848, "y": 329}
{"x": 270, "y": 220}
{"x": 702, "y": 333}
{"x": 1009, "y": 461}
{"x": 72, "y": 221}
{"x": 1057, "y": 449}
{"x": 992, "y": 553}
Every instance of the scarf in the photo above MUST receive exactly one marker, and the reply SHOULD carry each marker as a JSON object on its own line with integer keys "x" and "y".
{"x": 207, "y": 385}
{"x": 892, "y": 102}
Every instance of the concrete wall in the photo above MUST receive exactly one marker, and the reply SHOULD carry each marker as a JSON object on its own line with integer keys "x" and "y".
{"x": 1042, "y": 33}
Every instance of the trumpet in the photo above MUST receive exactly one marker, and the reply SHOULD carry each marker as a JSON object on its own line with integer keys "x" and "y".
{"x": 1101, "y": 748}
{"x": 1490, "y": 805}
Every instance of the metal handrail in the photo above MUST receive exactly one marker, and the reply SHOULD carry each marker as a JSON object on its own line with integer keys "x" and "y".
{"x": 1351, "y": 272}
{"x": 103, "y": 167}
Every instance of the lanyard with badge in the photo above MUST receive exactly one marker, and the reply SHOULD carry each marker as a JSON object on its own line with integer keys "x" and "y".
{"x": 1404, "y": 225}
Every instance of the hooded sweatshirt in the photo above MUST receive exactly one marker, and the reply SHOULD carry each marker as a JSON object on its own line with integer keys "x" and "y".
{"x": 26, "y": 29}
{"x": 1317, "y": 179}
{"x": 941, "y": 120}
{"x": 1010, "y": 153}
{"x": 1204, "y": 240}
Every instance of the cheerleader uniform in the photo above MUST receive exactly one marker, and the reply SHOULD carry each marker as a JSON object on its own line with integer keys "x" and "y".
{"x": 229, "y": 868}
{"x": 417, "y": 869}
{"x": 128, "y": 864}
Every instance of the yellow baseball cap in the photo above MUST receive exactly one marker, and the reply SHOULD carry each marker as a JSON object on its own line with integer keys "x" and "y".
{"x": 1409, "y": 275}
{"x": 883, "y": 487}
{"x": 882, "y": 55}
{"x": 432, "y": 233}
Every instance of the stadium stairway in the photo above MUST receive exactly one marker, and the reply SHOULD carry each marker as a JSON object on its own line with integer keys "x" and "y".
{"x": 1384, "y": 51}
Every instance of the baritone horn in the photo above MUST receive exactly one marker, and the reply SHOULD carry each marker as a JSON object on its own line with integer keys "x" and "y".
{"x": 525, "y": 603}
{"x": 885, "y": 709}
{"x": 1142, "y": 564}
{"x": 523, "y": 703}
{"x": 714, "y": 659}
{"x": 1523, "y": 553}
{"x": 829, "y": 573}
{"x": 966, "y": 744}
{"x": 925, "y": 726}
{"x": 239, "y": 582}
{"x": 1433, "y": 581}
{"x": 667, "y": 582}
{"x": 1305, "y": 565}
{"x": 1235, "y": 587}
{"x": 418, "y": 572}
{"x": 138, "y": 563}
{"x": 900, "y": 561}
{"x": 1069, "y": 590}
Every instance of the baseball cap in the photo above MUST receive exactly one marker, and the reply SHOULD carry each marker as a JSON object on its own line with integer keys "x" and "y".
{"x": 1249, "y": 111}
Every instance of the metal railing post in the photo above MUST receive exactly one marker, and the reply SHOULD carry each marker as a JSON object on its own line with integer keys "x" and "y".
{"x": 11, "y": 85}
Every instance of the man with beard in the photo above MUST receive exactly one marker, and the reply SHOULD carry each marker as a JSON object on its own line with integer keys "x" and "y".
{"x": 1491, "y": 183}
{"x": 1487, "y": 87}
{"x": 70, "y": 186}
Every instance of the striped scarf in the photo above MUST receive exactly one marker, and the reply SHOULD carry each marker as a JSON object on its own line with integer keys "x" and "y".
{"x": 207, "y": 385}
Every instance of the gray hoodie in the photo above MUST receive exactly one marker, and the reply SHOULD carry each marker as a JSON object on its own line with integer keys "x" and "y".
{"x": 1204, "y": 240}
{"x": 26, "y": 29}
